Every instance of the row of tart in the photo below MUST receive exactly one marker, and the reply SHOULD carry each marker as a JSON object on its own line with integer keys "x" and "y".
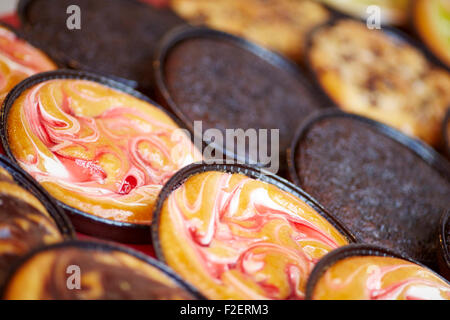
{"x": 227, "y": 232}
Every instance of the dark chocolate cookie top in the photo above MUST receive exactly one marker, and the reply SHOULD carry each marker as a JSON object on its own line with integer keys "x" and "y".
{"x": 381, "y": 190}
{"x": 228, "y": 87}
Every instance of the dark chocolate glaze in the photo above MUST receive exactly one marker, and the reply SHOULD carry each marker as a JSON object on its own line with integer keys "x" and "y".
{"x": 383, "y": 192}
{"x": 117, "y": 37}
{"x": 229, "y": 87}
{"x": 13, "y": 212}
{"x": 118, "y": 281}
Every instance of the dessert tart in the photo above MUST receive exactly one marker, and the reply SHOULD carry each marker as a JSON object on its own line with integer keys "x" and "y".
{"x": 19, "y": 60}
{"x": 386, "y": 188}
{"x": 362, "y": 272}
{"x": 234, "y": 233}
{"x": 116, "y": 37}
{"x": 26, "y": 221}
{"x": 381, "y": 75}
{"x": 280, "y": 25}
{"x": 431, "y": 20}
{"x": 393, "y": 12}
{"x": 230, "y": 83}
{"x": 105, "y": 271}
{"x": 94, "y": 144}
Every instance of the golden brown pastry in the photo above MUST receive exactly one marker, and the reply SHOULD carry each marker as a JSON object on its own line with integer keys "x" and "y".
{"x": 279, "y": 25}
{"x": 95, "y": 148}
{"x": 367, "y": 72}
{"x": 104, "y": 275}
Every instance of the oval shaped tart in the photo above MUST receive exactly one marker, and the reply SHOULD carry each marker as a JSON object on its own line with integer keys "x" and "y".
{"x": 365, "y": 273}
{"x": 380, "y": 75}
{"x": 18, "y": 60}
{"x": 386, "y": 188}
{"x": 93, "y": 271}
{"x": 95, "y": 148}
{"x": 236, "y": 237}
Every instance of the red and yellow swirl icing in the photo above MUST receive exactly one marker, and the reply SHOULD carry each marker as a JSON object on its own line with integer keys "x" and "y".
{"x": 95, "y": 148}
{"x": 379, "y": 278}
{"x": 234, "y": 237}
{"x": 18, "y": 60}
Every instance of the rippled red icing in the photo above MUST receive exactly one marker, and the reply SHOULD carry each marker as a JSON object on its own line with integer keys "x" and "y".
{"x": 243, "y": 238}
{"x": 97, "y": 149}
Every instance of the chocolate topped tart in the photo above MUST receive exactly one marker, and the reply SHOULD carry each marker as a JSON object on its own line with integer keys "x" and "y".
{"x": 24, "y": 223}
{"x": 280, "y": 25}
{"x": 384, "y": 192}
{"x": 117, "y": 37}
{"x": 95, "y": 145}
{"x": 229, "y": 83}
{"x": 380, "y": 74}
{"x": 107, "y": 273}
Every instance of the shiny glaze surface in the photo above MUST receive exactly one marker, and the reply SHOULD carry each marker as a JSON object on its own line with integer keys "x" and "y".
{"x": 97, "y": 149}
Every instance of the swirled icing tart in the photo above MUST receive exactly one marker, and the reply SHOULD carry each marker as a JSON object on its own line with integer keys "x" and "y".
{"x": 391, "y": 11}
{"x": 104, "y": 275}
{"x": 234, "y": 237}
{"x": 229, "y": 84}
{"x": 381, "y": 190}
{"x": 18, "y": 60}
{"x": 95, "y": 148}
{"x": 381, "y": 76}
{"x": 431, "y": 20}
{"x": 379, "y": 278}
{"x": 279, "y": 25}
{"x": 116, "y": 37}
{"x": 24, "y": 223}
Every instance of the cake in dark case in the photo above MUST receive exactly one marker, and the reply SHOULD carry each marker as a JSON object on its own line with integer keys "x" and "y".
{"x": 383, "y": 191}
